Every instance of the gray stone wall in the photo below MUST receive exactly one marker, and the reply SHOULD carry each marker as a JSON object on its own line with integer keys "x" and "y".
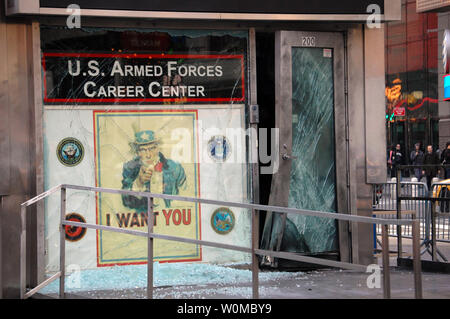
{"x": 17, "y": 148}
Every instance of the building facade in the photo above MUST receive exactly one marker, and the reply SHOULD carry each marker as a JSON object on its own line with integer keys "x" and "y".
{"x": 416, "y": 105}
{"x": 226, "y": 101}
{"x": 412, "y": 91}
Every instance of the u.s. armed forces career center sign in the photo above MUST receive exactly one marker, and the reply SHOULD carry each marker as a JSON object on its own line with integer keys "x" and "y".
{"x": 142, "y": 78}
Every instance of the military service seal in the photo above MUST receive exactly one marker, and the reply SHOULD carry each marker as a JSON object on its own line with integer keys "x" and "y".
{"x": 70, "y": 151}
{"x": 222, "y": 220}
{"x": 219, "y": 148}
{"x": 74, "y": 233}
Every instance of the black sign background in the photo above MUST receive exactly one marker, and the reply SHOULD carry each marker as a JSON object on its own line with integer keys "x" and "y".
{"x": 62, "y": 86}
{"x": 226, "y": 6}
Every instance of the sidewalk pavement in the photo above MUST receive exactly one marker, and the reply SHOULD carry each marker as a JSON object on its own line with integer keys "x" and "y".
{"x": 320, "y": 284}
{"x": 325, "y": 284}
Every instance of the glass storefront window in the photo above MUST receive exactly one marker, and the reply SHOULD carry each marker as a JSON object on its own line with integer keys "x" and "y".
{"x": 161, "y": 111}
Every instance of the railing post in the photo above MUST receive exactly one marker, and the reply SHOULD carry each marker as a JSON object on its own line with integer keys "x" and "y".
{"x": 433, "y": 231}
{"x": 399, "y": 214}
{"x": 62, "y": 244}
{"x": 255, "y": 245}
{"x": 254, "y": 124}
{"x": 23, "y": 252}
{"x": 416, "y": 259}
{"x": 385, "y": 253}
{"x": 150, "y": 223}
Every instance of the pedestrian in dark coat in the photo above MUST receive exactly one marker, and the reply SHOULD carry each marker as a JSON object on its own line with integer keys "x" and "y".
{"x": 445, "y": 160}
{"x": 390, "y": 159}
{"x": 416, "y": 158}
{"x": 397, "y": 160}
{"x": 430, "y": 158}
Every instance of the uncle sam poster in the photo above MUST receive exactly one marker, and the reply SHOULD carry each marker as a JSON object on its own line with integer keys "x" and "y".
{"x": 147, "y": 151}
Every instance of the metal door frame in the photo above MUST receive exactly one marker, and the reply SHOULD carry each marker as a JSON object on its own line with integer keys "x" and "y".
{"x": 284, "y": 42}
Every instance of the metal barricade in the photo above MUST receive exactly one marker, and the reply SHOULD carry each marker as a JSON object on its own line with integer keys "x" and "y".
{"x": 438, "y": 219}
{"x": 253, "y": 250}
{"x": 441, "y": 191}
{"x": 385, "y": 199}
{"x": 431, "y": 207}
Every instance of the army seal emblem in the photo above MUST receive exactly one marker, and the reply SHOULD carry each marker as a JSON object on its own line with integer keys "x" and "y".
{"x": 222, "y": 220}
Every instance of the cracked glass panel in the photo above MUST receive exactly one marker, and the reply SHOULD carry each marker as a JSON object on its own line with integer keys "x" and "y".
{"x": 312, "y": 180}
{"x": 313, "y": 173}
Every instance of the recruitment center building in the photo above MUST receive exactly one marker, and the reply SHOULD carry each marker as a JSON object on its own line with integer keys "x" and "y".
{"x": 237, "y": 101}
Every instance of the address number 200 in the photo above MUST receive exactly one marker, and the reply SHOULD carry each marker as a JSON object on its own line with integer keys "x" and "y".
{"x": 309, "y": 41}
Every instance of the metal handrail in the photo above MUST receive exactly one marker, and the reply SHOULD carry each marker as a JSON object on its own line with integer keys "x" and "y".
{"x": 253, "y": 250}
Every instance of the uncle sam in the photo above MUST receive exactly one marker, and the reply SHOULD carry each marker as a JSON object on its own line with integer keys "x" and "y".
{"x": 150, "y": 171}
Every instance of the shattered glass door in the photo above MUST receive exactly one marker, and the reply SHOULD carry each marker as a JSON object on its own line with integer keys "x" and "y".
{"x": 313, "y": 172}
{"x": 308, "y": 154}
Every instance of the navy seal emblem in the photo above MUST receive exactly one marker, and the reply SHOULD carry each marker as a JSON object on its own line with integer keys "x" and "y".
{"x": 219, "y": 148}
{"x": 70, "y": 151}
{"x": 222, "y": 220}
{"x": 74, "y": 233}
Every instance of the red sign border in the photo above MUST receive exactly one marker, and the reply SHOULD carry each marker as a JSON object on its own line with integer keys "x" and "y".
{"x": 144, "y": 56}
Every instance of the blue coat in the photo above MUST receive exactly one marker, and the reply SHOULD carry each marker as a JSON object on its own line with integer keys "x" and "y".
{"x": 174, "y": 177}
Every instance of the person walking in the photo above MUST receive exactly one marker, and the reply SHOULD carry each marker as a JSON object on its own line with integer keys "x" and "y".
{"x": 438, "y": 151}
{"x": 416, "y": 158}
{"x": 430, "y": 158}
{"x": 445, "y": 160}
{"x": 390, "y": 160}
{"x": 397, "y": 160}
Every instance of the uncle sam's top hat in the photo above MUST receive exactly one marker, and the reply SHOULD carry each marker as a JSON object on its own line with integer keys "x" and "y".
{"x": 144, "y": 138}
